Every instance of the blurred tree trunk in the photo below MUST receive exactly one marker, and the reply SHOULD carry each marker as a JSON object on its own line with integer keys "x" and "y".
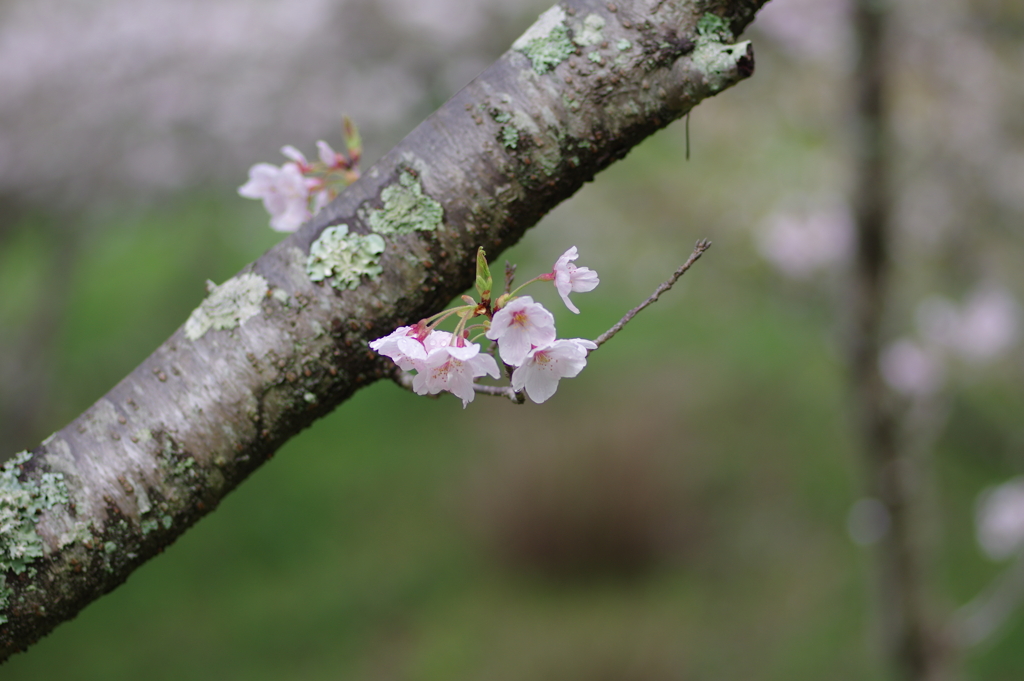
{"x": 270, "y": 350}
{"x": 909, "y": 635}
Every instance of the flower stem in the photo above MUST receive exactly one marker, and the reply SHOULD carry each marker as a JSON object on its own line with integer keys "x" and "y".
{"x": 525, "y": 284}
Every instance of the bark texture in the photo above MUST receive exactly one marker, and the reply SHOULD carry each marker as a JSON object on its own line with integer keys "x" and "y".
{"x": 285, "y": 341}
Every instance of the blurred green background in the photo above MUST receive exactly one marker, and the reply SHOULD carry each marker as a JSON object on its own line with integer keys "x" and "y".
{"x": 678, "y": 511}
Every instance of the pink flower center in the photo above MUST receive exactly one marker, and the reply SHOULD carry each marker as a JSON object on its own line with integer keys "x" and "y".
{"x": 441, "y": 372}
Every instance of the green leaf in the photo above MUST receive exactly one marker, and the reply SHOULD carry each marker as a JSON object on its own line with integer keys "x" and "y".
{"x": 353, "y": 142}
{"x": 484, "y": 283}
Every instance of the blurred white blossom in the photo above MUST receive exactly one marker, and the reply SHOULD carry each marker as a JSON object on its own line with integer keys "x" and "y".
{"x": 910, "y": 369}
{"x": 801, "y": 243}
{"x": 985, "y": 327}
{"x": 284, "y": 191}
{"x": 1000, "y": 519}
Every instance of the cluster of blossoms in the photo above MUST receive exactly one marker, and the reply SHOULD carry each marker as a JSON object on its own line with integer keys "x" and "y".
{"x": 980, "y": 331}
{"x": 809, "y": 240}
{"x": 523, "y": 332}
{"x": 299, "y": 188}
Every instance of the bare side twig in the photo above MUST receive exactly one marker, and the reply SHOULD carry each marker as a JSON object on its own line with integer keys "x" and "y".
{"x": 698, "y": 250}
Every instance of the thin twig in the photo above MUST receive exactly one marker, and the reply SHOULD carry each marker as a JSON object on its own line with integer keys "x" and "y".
{"x": 698, "y": 250}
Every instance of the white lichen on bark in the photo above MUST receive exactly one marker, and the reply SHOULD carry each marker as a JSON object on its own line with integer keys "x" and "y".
{"x": 717, "y": 61}
{"x": 345, "y": 258}
{"x": 589, "y": 32}
{"x": 228, "y": 306}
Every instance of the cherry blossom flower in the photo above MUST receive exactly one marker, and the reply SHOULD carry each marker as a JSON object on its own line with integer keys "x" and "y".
{"x": 545, "y": 366}
{"x": 409, "y": 346}
{"x": 453, "y": 369}
{"x": 570, "y": 278}
{"x": 520, "y": 326}
{"x": 295, "y": 155}
{"x": 403, "y": 346}
{"x": 437, "y": 339}
{"x": 328, "y": 156}
{"x": 284, "y": 191}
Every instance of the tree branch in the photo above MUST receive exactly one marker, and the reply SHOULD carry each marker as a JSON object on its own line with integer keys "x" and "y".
{"x": 271, "y": 350}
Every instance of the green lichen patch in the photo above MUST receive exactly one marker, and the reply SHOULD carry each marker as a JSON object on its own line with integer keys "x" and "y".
{"x": 182, "y": 467}
{"x": 178, "y": 463}
{"x": 595, "y": 57}
{"x": 546, "y": 43}
{"x": 20, "y": 504}
{"x": 344, "y": 258}
{"x": 228, "y": 305}
{"x": 623, "y": 45}
{"x": 589, "y": 33}
{"x": 509, "y": 137}
{"x": 406, "y": 209}
{"x": 713, "y": 27}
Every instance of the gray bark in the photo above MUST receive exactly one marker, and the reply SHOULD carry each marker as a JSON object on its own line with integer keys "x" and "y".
{"x": 271, "y": 350}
